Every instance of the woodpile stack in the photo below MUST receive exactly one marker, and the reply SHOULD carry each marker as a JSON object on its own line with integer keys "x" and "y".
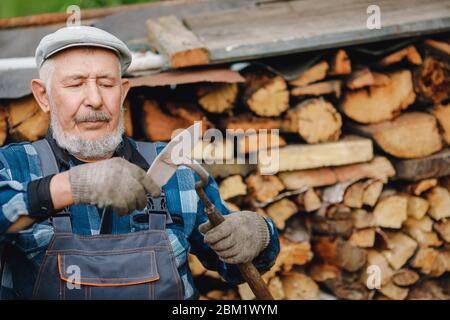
{"x": 362, "y": 196}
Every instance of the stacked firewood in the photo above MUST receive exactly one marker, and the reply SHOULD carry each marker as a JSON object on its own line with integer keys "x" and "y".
{"x": 361, "y": 198}
{"x": 353, "y": 223}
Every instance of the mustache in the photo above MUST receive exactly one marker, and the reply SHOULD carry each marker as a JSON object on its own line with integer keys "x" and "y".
{"x": 93, "y": 116}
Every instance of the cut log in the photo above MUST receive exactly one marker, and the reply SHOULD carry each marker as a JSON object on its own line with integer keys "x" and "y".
{"x": 364, "y": 238}
{"x": 380, "y": 103}
{"x": 294, "y": 254}
{"x": 280, "y": 211}
{"x": 291, "y": 254}
{"x": 264, "y": 188}
{"x": 33, "y": 128}
{"x": 276, "y": 288}
{"x": 20, "y": 110}
{"x": 252, "y": 143}
{"x": 333, "y": 226}
{"x": 128, "y": 119}
{"x": 265, "y": 94}
{"x": 247, "y": 121}
{"x": 315, "y": 120}
{"x": 398, "y": 137}
{"x": 299, "y": 157}
{"x": 232, "y": 187}
{"x": 315, "y": 73}
{"x": 298, "y": 286}
{"x": 196, "y": 267}
{"x": 319, "y": 89}
{"x": 421, "y": 231}
{"x": 375, "y": 258}
{"x": 430, "y": 262}
{"x": 443, "y": 229}
{"x": 401, "y": 248}
{"x": 435, "y": 165}
{"x": 353, "y": 196}
{"x": 308, "y": 178}
{"x": 297, "y": 230}
{"x": 365, "y": 78}
{"x": 410, "y": 53}
{"x": 340, "y": 253}
{"x": 233, "y": 207}
{"x": 442, "y": 114}
{"x": 405, "y": 277}
{"x": 417, "y": 207}
{"x": 372, "y": 192}
{"x": 378, "y": 168}
{"x": 225, "y": 170}
{"x": 391, "y": 212}
{"x": 179, "y": 45}
{"x": 217, "y": 97}
{"x": 3, "y": 125}
{"x": 432, "y": 80}
{"x": 394, "y": 292}
{"x": 188, "y": 111}
{"x": 320, "y": 272}
{"x": 347, "y": 290}
{"x": 26, "y": 120}
{"x": 362, "y": 219}
{"x": 440, "y": 46}
{"x": 428, "y": 290}
{"x": 340, "y": 64}
{"x": 309, "y": 200}
{"x": 419, "y": 187}
{"x": 160, "y": 125}
{"x": 245, "y": 292}
{"x": 439, "y": 199}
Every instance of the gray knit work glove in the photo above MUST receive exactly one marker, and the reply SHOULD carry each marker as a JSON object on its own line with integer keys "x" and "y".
{"x": 114, "y": 182}
{"x": 239, "y": 239}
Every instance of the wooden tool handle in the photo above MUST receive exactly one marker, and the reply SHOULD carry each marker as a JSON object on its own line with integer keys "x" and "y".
{"x": 248, "y": 270}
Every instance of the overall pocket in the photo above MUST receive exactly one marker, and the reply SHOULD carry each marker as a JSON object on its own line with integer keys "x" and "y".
{"x": 108, "y": 275}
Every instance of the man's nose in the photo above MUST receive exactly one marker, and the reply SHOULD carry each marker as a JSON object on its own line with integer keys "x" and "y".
{"x": 93, "y": 96}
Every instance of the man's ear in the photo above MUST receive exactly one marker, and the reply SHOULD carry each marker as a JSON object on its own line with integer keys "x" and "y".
{"x": 125, "y": 88}
{"x": 40, "y": 94}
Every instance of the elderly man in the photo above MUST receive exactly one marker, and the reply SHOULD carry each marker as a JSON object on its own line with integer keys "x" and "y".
{"x": 79, "y": 216}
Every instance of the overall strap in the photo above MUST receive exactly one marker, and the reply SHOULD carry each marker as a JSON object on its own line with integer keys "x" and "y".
{"x": 49, "y": 165}
{"x": 61, "y": 223}
{"x": 149, "y": 153}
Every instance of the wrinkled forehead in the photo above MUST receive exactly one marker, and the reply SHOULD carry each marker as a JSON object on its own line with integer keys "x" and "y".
{"x": 86, "y": 61}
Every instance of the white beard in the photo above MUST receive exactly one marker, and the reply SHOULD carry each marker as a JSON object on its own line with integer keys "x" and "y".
{"x": 87, "y": 149}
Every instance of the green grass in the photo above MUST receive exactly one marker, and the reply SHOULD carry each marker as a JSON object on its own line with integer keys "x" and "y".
{"x": 15, "y": 8}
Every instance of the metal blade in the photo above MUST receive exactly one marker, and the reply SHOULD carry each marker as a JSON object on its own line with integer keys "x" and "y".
{"x": 175, "y": 153}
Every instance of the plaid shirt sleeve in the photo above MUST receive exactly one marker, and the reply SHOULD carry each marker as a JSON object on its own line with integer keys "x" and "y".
{"x": 230, "y": 273}
{"x": 13, "y": 200}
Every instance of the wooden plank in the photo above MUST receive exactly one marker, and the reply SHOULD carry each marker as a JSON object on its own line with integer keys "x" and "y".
{"x": 179, "y": 45}
{"x": 279, "y": 28}
{"x": 300, "y": 157}
{"x": 436, "y": 165}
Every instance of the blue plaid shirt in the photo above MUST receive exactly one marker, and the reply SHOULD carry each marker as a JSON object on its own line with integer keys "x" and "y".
{"x": 19, "y": 164}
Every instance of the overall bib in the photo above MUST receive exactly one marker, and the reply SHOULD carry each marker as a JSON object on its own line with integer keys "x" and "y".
{"x": 135, "y": 265}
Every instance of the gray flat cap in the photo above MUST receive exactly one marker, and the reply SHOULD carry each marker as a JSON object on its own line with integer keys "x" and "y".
{"x": 82, "y": 36}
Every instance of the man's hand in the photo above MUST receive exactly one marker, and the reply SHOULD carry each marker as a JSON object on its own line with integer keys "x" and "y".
{"x": 114, "y": 182}
{"x": 239, "y": 239}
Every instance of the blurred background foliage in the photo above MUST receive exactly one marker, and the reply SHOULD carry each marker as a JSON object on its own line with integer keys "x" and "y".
{"x": 15, "y": 8}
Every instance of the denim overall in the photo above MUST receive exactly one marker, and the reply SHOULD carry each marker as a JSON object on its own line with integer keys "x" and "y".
{"x": 136, "y": 265}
